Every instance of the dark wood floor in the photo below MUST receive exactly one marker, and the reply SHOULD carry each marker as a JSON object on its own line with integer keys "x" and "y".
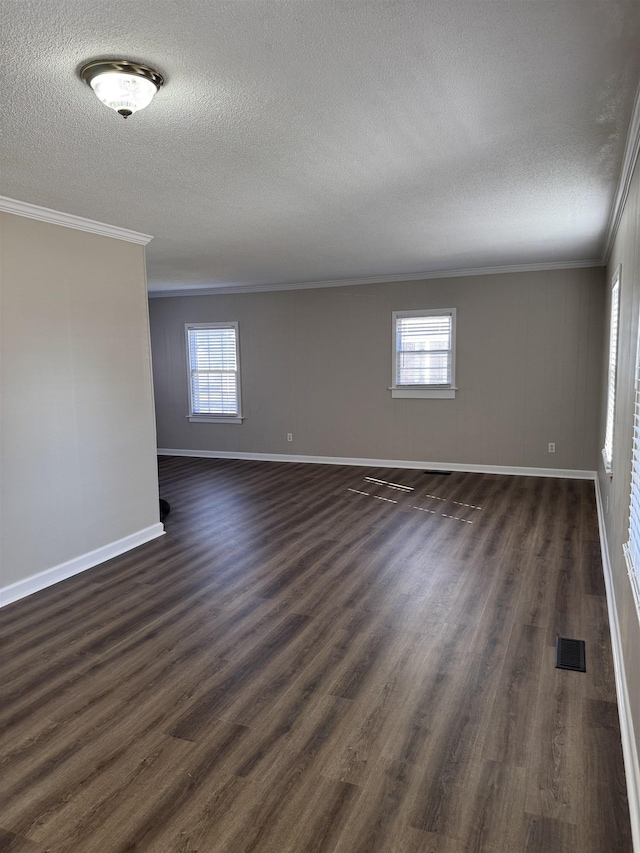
{"x": 321, "y": 658}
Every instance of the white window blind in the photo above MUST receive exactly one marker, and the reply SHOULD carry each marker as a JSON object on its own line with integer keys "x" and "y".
{"x": 214, "y": 374}
{"x": 424, "y": 350}
{"x": 607, "y": 450}
{"x": 632, "y": 547}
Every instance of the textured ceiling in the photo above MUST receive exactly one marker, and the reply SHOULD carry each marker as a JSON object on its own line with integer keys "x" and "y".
{"x": 313, "y": 141}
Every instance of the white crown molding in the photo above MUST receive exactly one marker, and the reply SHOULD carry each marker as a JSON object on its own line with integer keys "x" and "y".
{"x": 627, "y": 735}
{"x": 631, "y": 150}
{"x": 68, "y": 220}
{"x": 42, "y": 580}
{"x": 563, "y": 473}
{"x": 375, "y": 279}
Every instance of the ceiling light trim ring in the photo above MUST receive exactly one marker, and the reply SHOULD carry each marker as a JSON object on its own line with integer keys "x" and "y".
{"x": 121, "y": 66}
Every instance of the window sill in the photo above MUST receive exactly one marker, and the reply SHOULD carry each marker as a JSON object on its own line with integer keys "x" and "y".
{"x": 608, "y": 464}
{"x": 424, "y": 393}
{"x": 212, "y": 419}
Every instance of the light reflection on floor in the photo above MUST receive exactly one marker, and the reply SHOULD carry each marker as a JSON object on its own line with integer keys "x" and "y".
{"x": 407, "y": 489}
{"x": 377, "y": 497}
{"x": 459, "y": 503}
{"x": 398, "y": 486}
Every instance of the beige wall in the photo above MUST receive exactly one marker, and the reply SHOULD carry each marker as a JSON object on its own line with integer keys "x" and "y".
{"x": 317, "y": 363}
{"x": 615, "y": 489}
{"x": 77, "y": 454}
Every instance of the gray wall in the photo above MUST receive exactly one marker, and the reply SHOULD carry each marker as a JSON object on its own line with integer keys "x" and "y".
{"x": 317, "y": 363}
{"x": 78, "y": 435}
{"x": 616, "y": 489}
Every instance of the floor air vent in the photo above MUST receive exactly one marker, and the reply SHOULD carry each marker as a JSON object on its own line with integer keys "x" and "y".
{"x": 570, "y": 654}
{"x": 442, "y": 473}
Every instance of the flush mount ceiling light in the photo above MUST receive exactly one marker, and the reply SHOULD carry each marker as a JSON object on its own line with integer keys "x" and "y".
{"x": 122, "y": 85}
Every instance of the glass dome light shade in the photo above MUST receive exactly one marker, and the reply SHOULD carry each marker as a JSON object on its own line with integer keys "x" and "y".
{"x": 121, "y": 84}
{"x": 123, "y": 92}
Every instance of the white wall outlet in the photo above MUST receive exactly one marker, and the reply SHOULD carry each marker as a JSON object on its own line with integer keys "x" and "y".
{"x": 552, "y": 447}
{"x": 289, "y": 436}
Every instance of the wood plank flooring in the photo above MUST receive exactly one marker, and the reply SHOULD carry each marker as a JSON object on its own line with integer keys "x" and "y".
{"x": 319, "y": 658}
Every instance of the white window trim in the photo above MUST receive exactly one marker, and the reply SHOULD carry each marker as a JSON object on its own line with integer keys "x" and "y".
{"x": 631, "y": 549}
{"x": 433, "y": 392}
{"x": 612, "y": 372}
{"x": 215, "y": 419}
{"x": 199, "y": 418}
{"x": 634, "y": 577}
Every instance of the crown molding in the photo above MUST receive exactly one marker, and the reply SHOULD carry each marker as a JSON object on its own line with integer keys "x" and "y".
{"x": 375, "y": 279}
{"x": 631, "y": 150}
{"x": 68, "y": 220}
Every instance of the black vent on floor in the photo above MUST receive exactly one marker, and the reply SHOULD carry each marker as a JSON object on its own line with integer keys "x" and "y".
{"x": 442, "y": 473}
{"x": 570, "y": 654}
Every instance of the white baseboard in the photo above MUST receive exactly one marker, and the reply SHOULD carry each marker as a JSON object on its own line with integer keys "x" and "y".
{"x": 563, "y": 473}
{"x": 629, "y": 750}
{"x": 32, "y": 584}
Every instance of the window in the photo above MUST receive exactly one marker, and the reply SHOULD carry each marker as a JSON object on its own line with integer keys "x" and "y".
{"x": 607, "y": 450}
{"x": 214, "y": 372}
{"x": 632, "y": 547}
{"x": 424, "y": 353}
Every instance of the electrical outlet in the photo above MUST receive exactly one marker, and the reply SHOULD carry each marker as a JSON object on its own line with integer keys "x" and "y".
{"x": 289, "y": 436}
{"x": 552, "y": 447}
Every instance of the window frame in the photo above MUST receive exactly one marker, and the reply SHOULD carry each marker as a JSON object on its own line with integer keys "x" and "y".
{"x": 441, "y": 391}
{"x": 215, "y": 418}
{"x": 612, "y": 372}
{"x": 631, "y": 547}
